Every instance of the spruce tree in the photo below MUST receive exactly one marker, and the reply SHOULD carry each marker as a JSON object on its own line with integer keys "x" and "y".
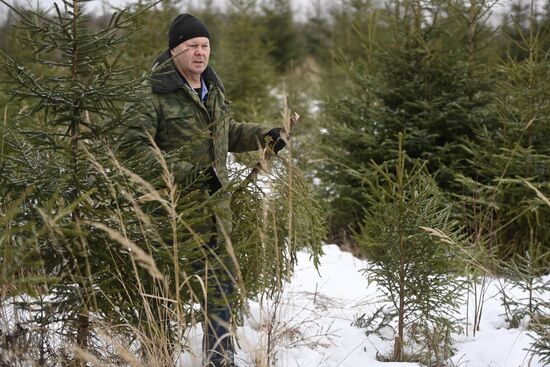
{"x": 280, "y": 34}
{"x": 119, "y": 250}
{"x": 409, "y": 238}
{"x": 514, "y": 25}
{"x": 419, "y": 68}
{"x": 73, "y": 91}
{"x": 276, "y": 217}
{"x": 316, "y": 34}
{"x": 243, "y": 64}
{"x": 514, "y": 154}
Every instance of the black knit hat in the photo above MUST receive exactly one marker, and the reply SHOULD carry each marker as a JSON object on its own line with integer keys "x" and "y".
{"x": 185, "y": 27}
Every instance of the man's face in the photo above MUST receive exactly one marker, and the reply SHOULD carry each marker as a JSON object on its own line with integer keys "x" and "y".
{"x": 191, "y": 56}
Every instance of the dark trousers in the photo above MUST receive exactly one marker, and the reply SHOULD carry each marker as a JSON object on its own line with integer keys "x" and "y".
{"x": 218, "y": 345}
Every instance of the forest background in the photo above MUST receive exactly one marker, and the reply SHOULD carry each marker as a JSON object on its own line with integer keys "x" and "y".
{"x": 441, "y": 85}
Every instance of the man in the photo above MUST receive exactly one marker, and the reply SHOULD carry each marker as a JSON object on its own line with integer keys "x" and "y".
{"x": 187, "y": 116}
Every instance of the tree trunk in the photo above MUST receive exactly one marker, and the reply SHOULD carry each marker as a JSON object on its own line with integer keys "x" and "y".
{"x": 83, "y": 330}
{"x": 398, "y": 346}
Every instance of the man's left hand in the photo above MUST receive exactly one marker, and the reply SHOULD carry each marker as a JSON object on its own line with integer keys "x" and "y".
{"x": 277, "y": 142}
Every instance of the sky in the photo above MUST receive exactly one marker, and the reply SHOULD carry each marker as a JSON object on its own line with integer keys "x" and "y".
{"x": 301, "y": 7}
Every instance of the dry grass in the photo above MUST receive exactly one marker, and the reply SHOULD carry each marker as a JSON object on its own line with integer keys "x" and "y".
{"x": 165, "y": 290}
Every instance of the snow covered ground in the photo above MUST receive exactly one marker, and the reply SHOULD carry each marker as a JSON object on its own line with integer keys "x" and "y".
{"x": 311, "y": 324}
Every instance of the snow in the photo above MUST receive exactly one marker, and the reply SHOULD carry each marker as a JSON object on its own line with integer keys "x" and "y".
{"x": 312, "y": 323}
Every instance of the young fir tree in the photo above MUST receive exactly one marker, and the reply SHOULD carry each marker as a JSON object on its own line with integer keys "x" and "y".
{"x": 420, "y": 69}
{"x": 514, "y": 25}
{"x": 343, "y": 111}
{"x": 73, "y": 93}
{"x": 247, "y": 79}
{"x": 316, "y": 34}
{"x": 275, "y": 219}
{"x": 515, "y": 152}
{"x": 283, "y": 44}
{"x": 409, "y": 239}
{"x": 116, "y": 249}
{"x": 525, "y": 273}
{"x": 352, "y": 19}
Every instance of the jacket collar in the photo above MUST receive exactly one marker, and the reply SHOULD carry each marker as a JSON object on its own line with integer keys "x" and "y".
{"x": 165, "y": 78}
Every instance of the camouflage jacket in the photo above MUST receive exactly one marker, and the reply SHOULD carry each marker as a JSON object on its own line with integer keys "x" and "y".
{"x": 191, "y": 135}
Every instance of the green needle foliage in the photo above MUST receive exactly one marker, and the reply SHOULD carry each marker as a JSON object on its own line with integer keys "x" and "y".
{"x": 149, "y": 38}
{"x": 515, "y": 151}
{"x": 541, "y": 343}
{"x": 247, "y": 79}
{"x": 409, "y": 239}
{"x": 108, "y": 257}
{"x": 525, "y": 273}
{"x": 417, "y": 67}
{"x": 284, "y": 46}
{"x": 73, "y": 92}
{"x": 275, "y": 219}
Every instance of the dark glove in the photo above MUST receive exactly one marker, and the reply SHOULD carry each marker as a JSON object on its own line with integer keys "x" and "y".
{"x": 276, "y": 143}
{"x": 212, "y": 180}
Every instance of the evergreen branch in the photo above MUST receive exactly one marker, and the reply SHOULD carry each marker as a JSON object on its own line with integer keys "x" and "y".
{"x": 134, "y": 15}
{"x": 24, "y": 148}
{"x": 64, "y": 29}
{"x": 29, "y": 83}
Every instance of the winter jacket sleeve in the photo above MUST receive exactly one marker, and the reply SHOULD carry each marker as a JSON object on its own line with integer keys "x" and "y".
{"x": 136, "y": 148}
{"x": 245, "y": 137}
